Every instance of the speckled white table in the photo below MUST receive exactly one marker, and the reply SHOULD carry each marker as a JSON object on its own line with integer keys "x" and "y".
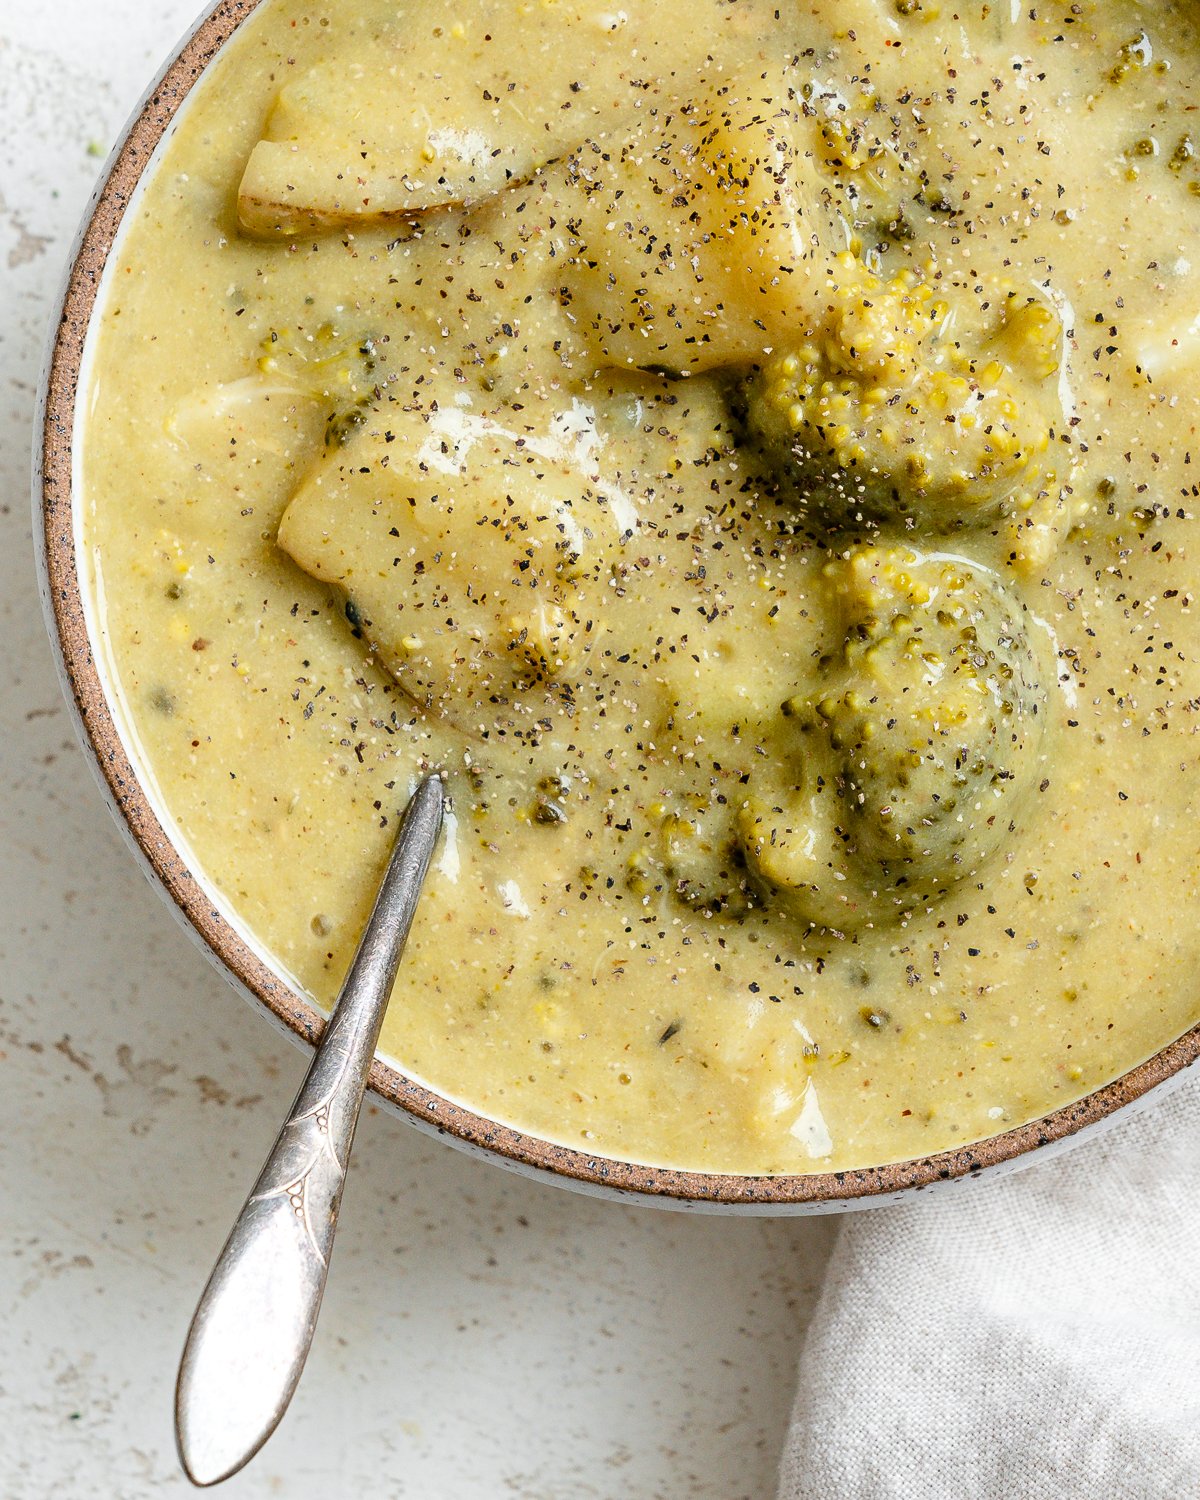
{"x": 483, "y": 1336}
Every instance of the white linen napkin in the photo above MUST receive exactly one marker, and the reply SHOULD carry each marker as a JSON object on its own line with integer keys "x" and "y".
{"x": 1034, "y": 1338}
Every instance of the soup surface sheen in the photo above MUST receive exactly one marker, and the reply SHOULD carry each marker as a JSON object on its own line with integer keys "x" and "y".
{"x": 747, "y": 448}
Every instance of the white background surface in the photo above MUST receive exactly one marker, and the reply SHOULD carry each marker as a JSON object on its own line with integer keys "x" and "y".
{"x": 483, "y": 1337}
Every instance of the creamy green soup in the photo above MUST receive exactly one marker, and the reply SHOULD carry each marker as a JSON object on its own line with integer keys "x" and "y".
{"x": 747, "y": 449}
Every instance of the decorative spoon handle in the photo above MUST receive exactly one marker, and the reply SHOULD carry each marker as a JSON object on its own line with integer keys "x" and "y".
{"x": 255, "y": 1321}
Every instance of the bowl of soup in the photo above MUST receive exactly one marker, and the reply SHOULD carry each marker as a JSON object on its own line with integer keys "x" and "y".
{"x": 747, "y": 452}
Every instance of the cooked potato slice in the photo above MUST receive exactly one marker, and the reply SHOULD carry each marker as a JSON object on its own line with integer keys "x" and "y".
{"x": 394, "y": 125}
{"x": 291, "y": 186}
{"x": 755, "y": 231}
{"x": 467, "y": 551}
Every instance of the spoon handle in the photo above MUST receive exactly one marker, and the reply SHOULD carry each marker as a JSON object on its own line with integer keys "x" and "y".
{"x": 253, "y": 1327}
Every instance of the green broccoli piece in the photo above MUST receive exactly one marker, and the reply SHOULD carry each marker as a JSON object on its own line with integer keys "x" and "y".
{"x": 883, "y": 419}
{"x": 330, "y": 365}
{"x": 905, "y": 771}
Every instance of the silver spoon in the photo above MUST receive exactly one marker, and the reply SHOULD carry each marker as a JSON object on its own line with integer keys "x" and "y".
{"x": 254, "y": 1325}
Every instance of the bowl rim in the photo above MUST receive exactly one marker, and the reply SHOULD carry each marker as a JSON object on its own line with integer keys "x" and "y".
{"x": 54, "y": 503}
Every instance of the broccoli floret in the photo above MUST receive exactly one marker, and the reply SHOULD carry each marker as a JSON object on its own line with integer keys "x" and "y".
{"x": 705, "y": 865}
{"x": 338, "y": 368}
{"x": 906, "y": 769}
{"x": 886, "y": 416}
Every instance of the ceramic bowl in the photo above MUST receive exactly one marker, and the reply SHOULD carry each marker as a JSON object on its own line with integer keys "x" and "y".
{"x": 125, "y": 782}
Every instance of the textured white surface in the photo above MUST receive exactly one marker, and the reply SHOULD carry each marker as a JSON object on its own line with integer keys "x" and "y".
{"x": 482, "y": 1336}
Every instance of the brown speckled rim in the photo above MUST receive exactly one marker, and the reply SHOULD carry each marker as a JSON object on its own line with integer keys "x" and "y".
{"x": 65, "y": 612}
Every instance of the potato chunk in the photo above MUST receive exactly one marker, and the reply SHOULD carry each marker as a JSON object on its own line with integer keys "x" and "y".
{"x": 321, "y": 178}
{"x": 465, "y": 549}
{"x": 754, "y": 228}
{"x": 396, "y": 124}
{"x": 904, "y": 772}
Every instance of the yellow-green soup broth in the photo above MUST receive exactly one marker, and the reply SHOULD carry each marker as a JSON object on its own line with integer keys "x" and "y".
{"x": 747, "y": 449}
